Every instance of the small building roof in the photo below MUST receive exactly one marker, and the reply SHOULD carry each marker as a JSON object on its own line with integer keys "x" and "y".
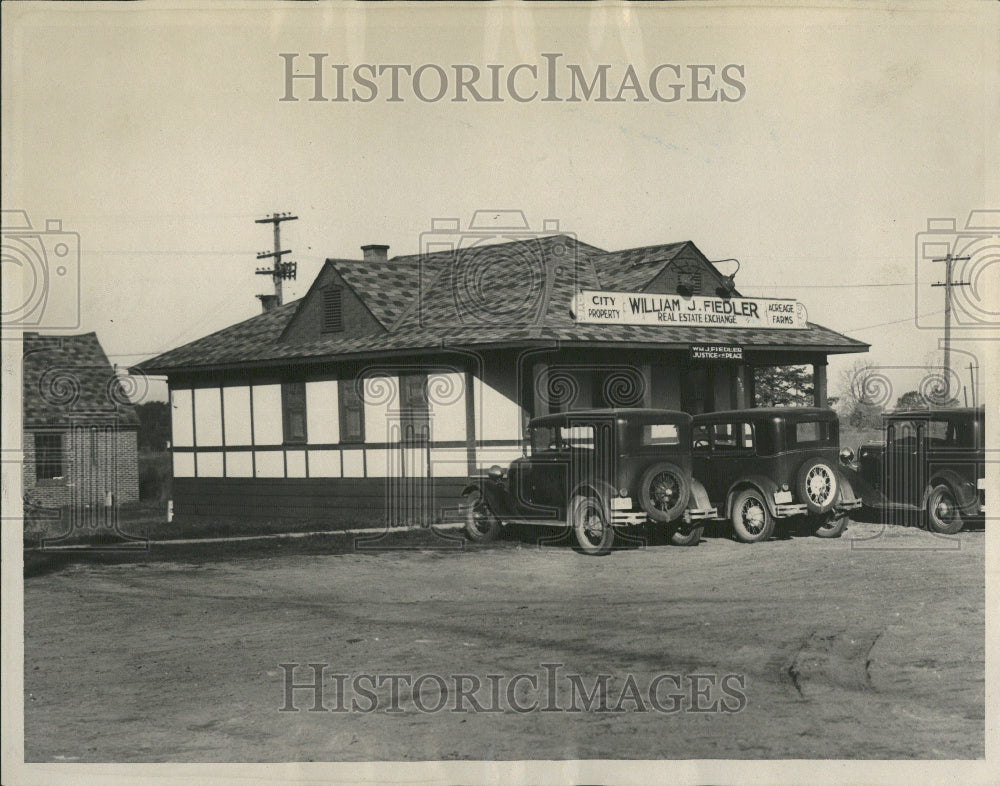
{"x": 516, "y": 293}
{"x": 68, "y": 379}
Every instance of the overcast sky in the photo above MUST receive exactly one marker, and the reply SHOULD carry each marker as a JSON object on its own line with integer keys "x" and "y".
{"x": 159, "y": 137}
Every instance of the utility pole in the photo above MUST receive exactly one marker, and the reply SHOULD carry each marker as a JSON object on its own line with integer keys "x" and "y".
{"x": 972, "y": 383}
{"x": 281, "y": 270}
{"x": 948, "y": 284}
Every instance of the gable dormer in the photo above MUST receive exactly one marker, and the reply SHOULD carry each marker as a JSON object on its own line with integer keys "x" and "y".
{"x": 331, "y": 309}
{"x": 689, "y": 272}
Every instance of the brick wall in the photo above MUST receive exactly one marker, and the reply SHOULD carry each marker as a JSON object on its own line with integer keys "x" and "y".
{"x": 95, "y": 461}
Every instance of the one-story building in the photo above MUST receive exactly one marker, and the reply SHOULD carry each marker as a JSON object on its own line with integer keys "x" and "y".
{"x": 393, "y": 379}
{"x": 79, "y": 427}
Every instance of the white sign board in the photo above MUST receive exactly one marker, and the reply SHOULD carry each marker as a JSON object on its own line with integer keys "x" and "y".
{"x": 638, "y": 308}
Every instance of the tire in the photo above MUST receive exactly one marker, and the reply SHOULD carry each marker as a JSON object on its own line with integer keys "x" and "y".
{"x": 818, "y": 485}
{"x": 688, "y": 537}
{"x": 481, "y": 525}
{"x": 664, "y": 491}
{"x": 752, "y": 521}
{"x": 942, "y": 512}
{"x": 828, "y": 525}
{"x": 594, "y": 533}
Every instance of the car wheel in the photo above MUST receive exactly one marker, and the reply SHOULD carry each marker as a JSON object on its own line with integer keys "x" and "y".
{"x": 594, "y": 533}
{"x": 690, "y": 536}
{"x": 481, "y": 525}
{"x": 943, "y": 515}
{"x": 817, "y": 485}
{"x": 664, "y": 491}
{"x": 828, "y": 525}
{"x": 752, "y": 521}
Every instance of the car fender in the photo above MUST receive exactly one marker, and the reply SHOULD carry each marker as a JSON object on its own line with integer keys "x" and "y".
{"x": 601, "y": 489}
{"x": 966, "y": 493}
{"x": 495, "y": 494}
{"x": 699, "y": 496}
{"x": 846, "y": 486}
{"x": 762, "y": 483}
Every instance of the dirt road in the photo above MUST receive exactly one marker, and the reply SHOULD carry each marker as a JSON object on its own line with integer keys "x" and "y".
{"x": 870, "y": 649}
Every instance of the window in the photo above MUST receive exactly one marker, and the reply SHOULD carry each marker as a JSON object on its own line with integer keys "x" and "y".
{"x": 414, "y": 392}
{"x": 812, "y": 432}
{"x": 352, "y": 411}
{"x": 577, "y": 437}
{"x": 543, "y": 438}
{"x": 333, "y": 317}
{"x": 660, "y": 434}
{"x": 733, "y": 437}
{"x": 48, "y": 456}
{"x": 700, "y": 436}
{"x": 293, "y": 411}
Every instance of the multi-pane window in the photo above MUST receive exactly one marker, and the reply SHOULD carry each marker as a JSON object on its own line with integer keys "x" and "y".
{"x": 293, "y": 411}
{"x": 48, "y": 456}
{"x": 352, "y": 411}
{"x": 414, "y": 392}
{"x": 333, "y": 317}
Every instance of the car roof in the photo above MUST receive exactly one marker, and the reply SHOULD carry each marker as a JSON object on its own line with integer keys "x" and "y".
{"x": 766, "y": 413}
{"x": 618, "y": 413}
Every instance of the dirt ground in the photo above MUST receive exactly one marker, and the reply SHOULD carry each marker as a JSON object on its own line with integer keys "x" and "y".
{"x": 871, "y": 646}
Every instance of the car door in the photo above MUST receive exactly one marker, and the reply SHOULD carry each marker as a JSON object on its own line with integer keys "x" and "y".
{"x": 541, "y": 482}
{"x": 904, "y": 462}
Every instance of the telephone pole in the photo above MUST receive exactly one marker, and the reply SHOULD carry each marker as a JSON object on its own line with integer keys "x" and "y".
{"x": 948, "y": 284}
{"x": 281, "y": 270}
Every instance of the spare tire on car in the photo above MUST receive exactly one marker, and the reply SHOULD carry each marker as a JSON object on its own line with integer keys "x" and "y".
{"x": 817, "y": 485}
{"x": 664, "y": 491}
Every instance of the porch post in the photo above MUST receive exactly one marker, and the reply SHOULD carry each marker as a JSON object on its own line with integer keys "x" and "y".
{"x": 540, "y": 389}
{"x": 819, "y": 383}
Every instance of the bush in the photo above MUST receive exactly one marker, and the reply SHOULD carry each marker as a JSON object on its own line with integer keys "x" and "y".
{"x": 154, "y": 476}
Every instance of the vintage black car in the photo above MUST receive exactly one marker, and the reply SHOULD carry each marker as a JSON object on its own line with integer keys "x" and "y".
{"x": 761, "y": 465}
{"x": 596, "y": 472}
{"x": 932, "y": 463}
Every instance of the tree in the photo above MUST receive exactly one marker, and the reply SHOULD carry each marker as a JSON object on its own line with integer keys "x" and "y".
{"x": 154, "y": 425}
{"x": 911, "y": 400}
{"x": 864, "y": 392}
{"x": 783, "y": 386}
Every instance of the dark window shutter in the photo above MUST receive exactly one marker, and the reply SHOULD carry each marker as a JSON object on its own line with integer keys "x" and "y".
{"x": 333, "y": 315}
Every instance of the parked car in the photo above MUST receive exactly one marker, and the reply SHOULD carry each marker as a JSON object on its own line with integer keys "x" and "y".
{"x": 596, "y": 471}
{"x": 762, "y": 465}
{"x": 933, "y": 462}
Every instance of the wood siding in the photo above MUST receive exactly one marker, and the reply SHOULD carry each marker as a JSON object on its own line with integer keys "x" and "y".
{"x": 334, "y": 503}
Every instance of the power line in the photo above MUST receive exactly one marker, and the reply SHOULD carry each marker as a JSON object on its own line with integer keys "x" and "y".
{"x": 893, "y": 322}
{"x": 826, "y": 286}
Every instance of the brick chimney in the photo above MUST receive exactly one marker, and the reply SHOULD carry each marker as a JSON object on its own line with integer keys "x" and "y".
{"x": 268, "y": 302}
{"x": 375, "y": 253}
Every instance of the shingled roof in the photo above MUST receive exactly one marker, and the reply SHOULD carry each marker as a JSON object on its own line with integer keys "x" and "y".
{"x": 488, "y": 295}
{"x": 69, "y": 379}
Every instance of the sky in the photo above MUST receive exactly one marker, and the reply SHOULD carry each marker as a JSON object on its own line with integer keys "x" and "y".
{"x": 157, "y": 135}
